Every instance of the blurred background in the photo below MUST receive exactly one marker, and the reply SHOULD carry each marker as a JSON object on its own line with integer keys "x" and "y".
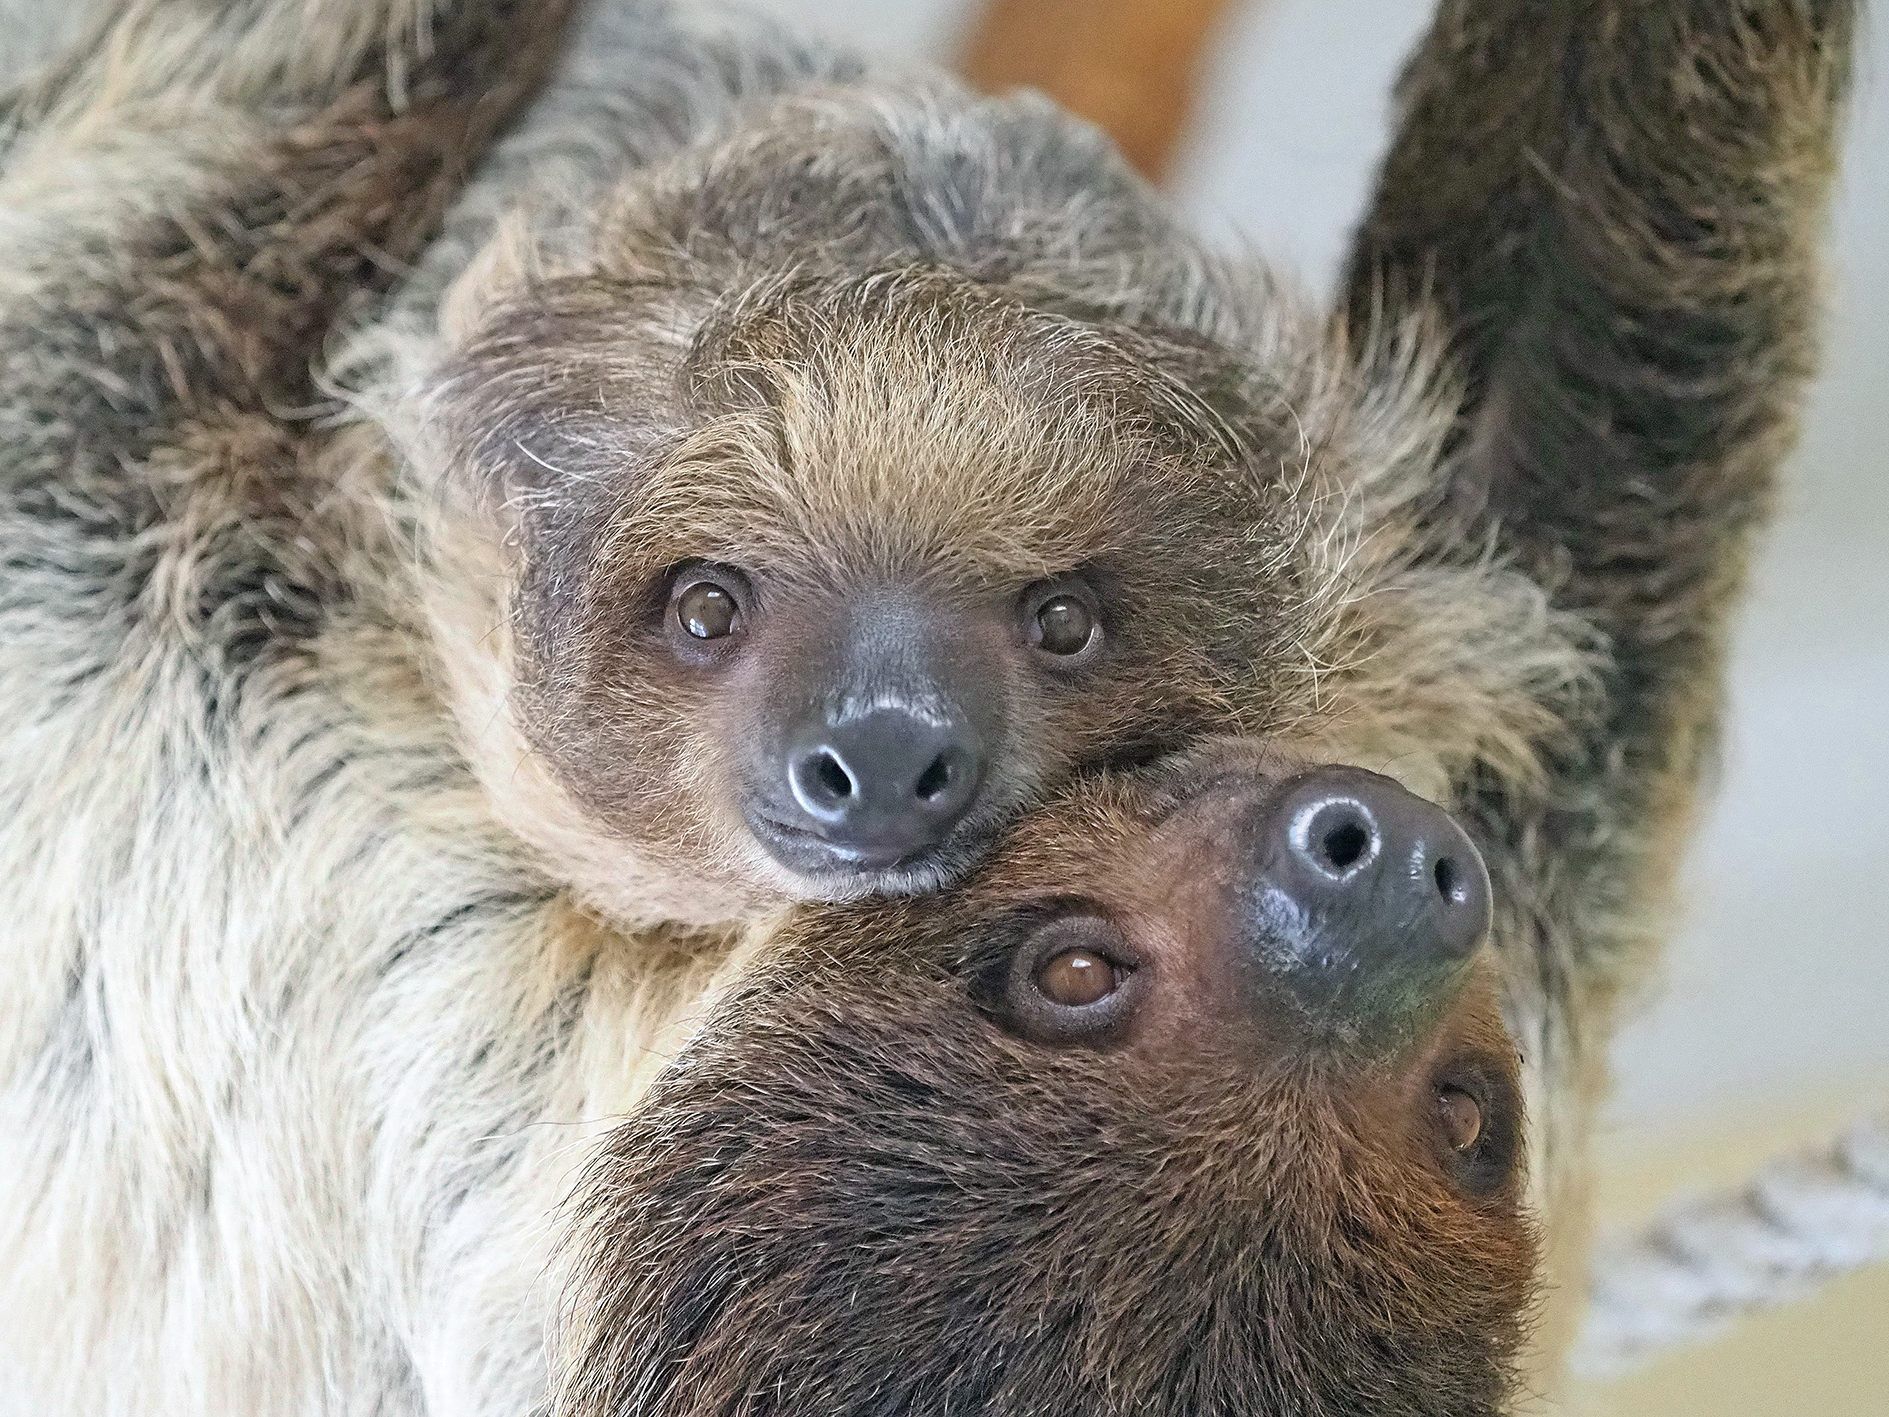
{"x": 1770, "y": 1024}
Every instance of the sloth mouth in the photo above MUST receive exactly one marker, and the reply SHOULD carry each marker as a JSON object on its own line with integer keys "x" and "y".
{"x": 847, "y": 854}
{"x": 858, "y": 869}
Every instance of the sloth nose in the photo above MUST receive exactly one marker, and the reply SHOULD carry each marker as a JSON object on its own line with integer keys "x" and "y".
{"x": 887, "y": 784}
{"x": 1371, "y": 899}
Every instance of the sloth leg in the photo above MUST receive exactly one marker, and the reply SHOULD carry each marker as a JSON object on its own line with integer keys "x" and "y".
{"x": 1615, "y": 208}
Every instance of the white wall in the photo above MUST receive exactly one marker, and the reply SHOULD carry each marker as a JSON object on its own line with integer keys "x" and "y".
{"x": 1779, "y": 985}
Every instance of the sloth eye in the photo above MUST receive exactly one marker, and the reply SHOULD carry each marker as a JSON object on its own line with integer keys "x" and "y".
{"x": 1061, "y": 617}
{"x": 1064, "y": 625}
{"x": 707, "y": 611}
{"x": 1072, "y": 979}
{"x": 1461, "y": 1117}
{"x": 1077, "y": 978}
{"x": 1478, "y": 1126}
{"x": 707, "y": 602}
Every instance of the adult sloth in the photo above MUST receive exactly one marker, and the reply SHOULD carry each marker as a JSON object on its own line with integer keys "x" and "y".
{"x": 310, "y": 832}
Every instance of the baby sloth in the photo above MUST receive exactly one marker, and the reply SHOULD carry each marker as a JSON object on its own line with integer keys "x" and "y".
{"x": 1197, "y": 1100}
{"x": 817, "y": 575}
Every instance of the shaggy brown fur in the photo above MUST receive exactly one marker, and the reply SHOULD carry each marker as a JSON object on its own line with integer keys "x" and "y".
{"x": 873, "y": 1188}
{"x": 188, "y": 208}
{"x": 1614, "y": 211}
{"x": 198, "y": 328}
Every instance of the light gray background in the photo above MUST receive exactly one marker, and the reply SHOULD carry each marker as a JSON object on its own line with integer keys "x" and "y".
{"x": 1778, "y": 986}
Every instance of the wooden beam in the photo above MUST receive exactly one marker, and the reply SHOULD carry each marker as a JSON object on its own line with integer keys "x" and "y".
{"x": 1132, "y": 67}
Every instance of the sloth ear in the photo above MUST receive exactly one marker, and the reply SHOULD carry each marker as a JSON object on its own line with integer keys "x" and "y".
{"x": 504, "y": 413}
{"x": 505, "y": 433}
{"x": 553, "y": 389}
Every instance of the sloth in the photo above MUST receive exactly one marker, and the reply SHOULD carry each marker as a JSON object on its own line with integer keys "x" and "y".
{"x": 1175, "y": 1107}
{"x": 827, "y": 517}
{"x": 391, "y": 799}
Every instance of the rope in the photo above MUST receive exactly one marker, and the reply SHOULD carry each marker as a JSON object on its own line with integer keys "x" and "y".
{"x": 1798, "y": 1224}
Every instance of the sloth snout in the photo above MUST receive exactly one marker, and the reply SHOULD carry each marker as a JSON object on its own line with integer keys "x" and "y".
{"x": 1364, "y": 898}
{"x": 885, "y": 785}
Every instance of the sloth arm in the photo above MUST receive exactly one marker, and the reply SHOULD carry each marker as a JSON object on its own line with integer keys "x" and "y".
{"x": 1613, "y": 209}
{"x": 195, "y": 201}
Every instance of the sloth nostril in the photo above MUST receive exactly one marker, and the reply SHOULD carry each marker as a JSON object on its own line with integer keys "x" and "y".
{"x": 832, "y": 777}
{"x": 1344, "y": 845}
{"x": 1360, "y": 877}
{"x": 935, "y": 779}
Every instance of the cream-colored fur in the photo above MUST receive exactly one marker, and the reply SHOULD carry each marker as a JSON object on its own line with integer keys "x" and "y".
{"x": 296, "y": 1048}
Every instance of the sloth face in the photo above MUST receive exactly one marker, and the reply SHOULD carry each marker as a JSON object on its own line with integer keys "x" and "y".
{"x": 1195, "y": 1099}
{"x": 872, "y": 725}
{"x": 811, "y": 597}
